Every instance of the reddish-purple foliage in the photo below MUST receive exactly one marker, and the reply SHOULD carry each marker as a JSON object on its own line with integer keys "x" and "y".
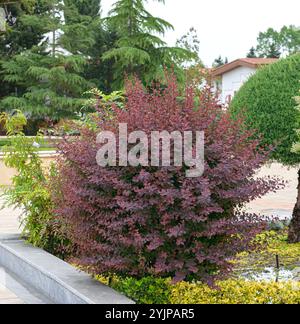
{"x": 155, "y": 221}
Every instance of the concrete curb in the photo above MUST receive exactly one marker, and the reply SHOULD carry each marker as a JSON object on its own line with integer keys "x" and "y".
{"x": 52, "y": 277}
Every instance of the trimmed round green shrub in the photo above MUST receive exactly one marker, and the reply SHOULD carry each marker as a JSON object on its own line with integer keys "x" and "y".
{"x": 267, "y": 100}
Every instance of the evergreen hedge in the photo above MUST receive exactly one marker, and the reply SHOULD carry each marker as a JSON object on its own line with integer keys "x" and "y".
{"x": 267, "y": 99}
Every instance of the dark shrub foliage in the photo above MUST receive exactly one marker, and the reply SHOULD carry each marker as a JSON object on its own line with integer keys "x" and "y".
{"x": 154, "y": 221}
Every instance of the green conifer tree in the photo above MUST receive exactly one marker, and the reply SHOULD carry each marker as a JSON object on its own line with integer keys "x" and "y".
{"x": 26, "y": 32}
{"x": 82, "y": 23}
{"x": 138, "y": 50}
{"x": 28, "y": 29}
{"x": 220, "y": 62}
{"x": 97, "y": 70}
{"x": 89, "y": 8}
{"x": 47, "y": 79}
{"x": 252, "y": 53}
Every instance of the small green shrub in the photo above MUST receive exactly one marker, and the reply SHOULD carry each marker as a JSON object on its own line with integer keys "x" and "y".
{"x": 148, "y": 290}
{"x": 151, "y": 290}
{"x": 4, "y": 142}
{"x": 269, "y": 245}
{"x": 236, "y": 292}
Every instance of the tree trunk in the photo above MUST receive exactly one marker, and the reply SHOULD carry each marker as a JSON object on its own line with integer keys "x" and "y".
{"x": 294, "y": 229}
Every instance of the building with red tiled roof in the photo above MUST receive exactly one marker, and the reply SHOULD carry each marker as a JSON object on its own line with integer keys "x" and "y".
{"x": 230, "y": 77}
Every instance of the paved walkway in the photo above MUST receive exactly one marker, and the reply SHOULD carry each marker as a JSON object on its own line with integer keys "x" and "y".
{"x": 281, "y": 203}
{"x": 9, "y": 219}
{"x": 9, "y": 225}
{"x": 13, "y": 291}
{"x": 7, "y": 297}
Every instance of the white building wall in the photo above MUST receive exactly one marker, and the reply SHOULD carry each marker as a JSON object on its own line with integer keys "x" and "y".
{"x": 233, "y": 80}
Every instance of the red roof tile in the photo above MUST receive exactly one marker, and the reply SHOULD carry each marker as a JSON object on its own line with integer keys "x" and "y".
{"x": 249, "y": 62}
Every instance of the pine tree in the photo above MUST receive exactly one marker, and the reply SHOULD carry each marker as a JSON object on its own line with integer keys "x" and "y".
{"x": 46, "y": 86}
{"x": 97, "y": 70}
{"x": 82, "y": 23}
{"x": 26, "y": 32}
{"x": 220, "y": 61}
{"x": 252, "y": 53}
{"x": 89, "y": 8}
{"x": 138, "y": 50}
{"x": 100, "y": 71}
{"x": 47, "y": 79}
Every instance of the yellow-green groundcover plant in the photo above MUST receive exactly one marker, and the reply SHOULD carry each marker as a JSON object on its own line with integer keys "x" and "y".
{"x": 233, "y": 291}
{"x": 237, "y": 292}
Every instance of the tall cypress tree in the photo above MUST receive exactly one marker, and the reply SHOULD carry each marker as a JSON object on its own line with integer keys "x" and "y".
{"x": 138, "y": 50}
{"x": 47, "y": 79}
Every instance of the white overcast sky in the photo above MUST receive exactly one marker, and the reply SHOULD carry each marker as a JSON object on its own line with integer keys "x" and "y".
{"x": 225, "y": 27}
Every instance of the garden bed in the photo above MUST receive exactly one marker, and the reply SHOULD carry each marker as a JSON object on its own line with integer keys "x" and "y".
{"x": 155, "y": 234}
{"x": 255, "y": 279}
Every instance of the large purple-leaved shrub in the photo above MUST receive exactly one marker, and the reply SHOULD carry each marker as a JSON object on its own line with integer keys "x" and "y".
{"x": 140, "y": 221}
